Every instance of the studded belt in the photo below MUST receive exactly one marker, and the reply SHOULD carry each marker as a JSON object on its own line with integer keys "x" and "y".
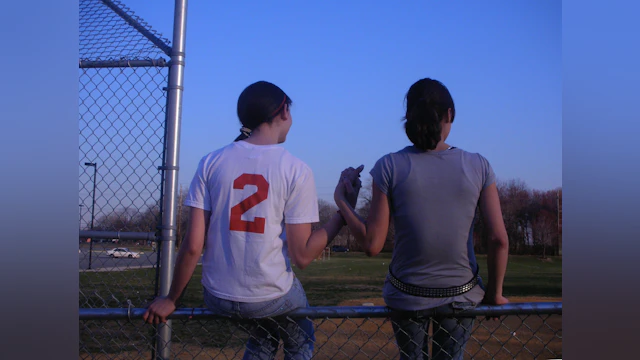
{"x": 433, "y": 292}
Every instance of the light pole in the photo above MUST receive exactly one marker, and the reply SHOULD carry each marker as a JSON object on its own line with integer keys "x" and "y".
{"x": 93, "y": 205}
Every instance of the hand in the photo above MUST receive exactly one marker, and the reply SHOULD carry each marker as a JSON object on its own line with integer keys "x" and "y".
{"x": 349, "y": 186}
{"x": 493, "y": 299}
{"x": 352, "y": 191}
{"x": 158, "y": 310}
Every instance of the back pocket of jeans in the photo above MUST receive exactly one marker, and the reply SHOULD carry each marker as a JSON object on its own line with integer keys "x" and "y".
{"x": 459, "y": 306}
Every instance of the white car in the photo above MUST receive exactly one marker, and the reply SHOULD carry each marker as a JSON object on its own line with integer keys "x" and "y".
{"x": 123, "y": 252}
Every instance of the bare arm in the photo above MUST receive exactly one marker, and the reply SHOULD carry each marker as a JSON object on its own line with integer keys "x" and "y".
{"x": 190, "y": 252}
{"x": 498, "y": 242}
{"x": 187, "y": 259}
{"x": 305, "y": 245}
{"x": 372, "y": 233}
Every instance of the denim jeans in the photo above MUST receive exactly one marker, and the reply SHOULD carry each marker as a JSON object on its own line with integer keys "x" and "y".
{"x": 450, "y": 335}
{"x": 265, "y": 334}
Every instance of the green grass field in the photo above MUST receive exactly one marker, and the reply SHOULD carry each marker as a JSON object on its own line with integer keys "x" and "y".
{"x": 356, "y": 276}
{"x": 346, "y": 276}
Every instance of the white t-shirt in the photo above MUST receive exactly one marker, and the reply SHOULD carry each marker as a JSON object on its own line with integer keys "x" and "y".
{"x": 251, "y": 191}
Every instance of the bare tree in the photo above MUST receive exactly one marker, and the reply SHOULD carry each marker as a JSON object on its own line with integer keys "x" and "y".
{"x": 326, "y": 210}
{"x": 122, "y": 219}
{"x": 544, "y": 229}
{"x": 366, "y": 195}
{"x": 182, "y": 215}
{"x": 148, "y": 220}
{"x": 480, "y": 235}
{"x": 515, "y": 201}
{"x": 559, "y": 213}
{"x": 544, "y": 214}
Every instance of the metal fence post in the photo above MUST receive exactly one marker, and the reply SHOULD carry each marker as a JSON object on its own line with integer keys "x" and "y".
{"x": 170, "y": 167}
{"x": 93, "y": 207}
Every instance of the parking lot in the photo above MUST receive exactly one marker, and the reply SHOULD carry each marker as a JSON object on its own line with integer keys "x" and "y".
{"x": 102, "y": 261}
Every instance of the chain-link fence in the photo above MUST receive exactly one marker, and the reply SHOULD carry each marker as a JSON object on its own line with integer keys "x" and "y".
{"x": 524, "y": 331}
{"x": 122, "y": 106}
{"x": 130, "y": 86}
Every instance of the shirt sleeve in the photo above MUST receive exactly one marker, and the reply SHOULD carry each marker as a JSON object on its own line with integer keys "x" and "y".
{"x": 302, "y": 205}
{"x": 381, "y": 174}
{"x": 488, "y": 176}
{"x": 198, "y": 196}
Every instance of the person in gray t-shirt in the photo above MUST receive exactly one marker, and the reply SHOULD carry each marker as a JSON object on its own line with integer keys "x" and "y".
{"x": 432, "y": 191}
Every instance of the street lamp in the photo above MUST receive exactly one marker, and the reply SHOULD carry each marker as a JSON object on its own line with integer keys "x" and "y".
{"x": 93, "y": 205}
{"x": 80, "y": 221}
{"x": 80, "y": 227}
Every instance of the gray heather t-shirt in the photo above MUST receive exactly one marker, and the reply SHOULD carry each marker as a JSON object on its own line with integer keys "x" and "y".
{"x": 433, "y": 197}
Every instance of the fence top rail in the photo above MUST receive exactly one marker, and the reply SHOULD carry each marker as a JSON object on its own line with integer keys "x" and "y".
{"x": 157, "y": 63}
{"x": 537, "y": 308}
{"x": 110, "y": 31}
{"x": 120, "y": 235}
{"x": 138, "y": 24}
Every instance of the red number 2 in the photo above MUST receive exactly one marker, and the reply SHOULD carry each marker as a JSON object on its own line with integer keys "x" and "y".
{"x": 257, "y": 225}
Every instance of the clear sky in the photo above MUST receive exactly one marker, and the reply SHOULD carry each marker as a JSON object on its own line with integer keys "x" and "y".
{"x": 348, "y": 64}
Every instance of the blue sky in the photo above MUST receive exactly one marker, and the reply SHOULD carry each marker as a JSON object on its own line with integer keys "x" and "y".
{"x": 348, "y": 65}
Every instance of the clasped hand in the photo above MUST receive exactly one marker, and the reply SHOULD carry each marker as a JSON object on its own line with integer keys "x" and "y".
{"x": 349, "y": 186}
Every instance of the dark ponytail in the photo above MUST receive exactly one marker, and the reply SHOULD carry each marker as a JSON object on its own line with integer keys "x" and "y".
{"x": 258, "y": 103}
{"x": 428, "y": 102}
{"x": 244, "y": 134}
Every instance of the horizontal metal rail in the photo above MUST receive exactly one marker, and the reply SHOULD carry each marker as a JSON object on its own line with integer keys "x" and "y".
{"x": 537, "y": 308}
{"x": 139, "y": 27}
{"x": 120, "y": 235}
{"x": 91, "y": 64}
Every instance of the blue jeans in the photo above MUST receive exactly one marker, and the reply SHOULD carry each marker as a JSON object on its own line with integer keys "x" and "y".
{"x": 265, "y": 334}
{"x": 450, "y": 335}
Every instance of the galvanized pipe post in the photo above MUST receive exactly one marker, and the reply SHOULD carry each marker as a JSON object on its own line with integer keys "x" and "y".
{"x": 170, "y": 167}
{"x": 93, "y": 205}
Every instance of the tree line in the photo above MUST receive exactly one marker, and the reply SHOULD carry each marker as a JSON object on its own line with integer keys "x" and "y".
{"x": 533, "y": 219}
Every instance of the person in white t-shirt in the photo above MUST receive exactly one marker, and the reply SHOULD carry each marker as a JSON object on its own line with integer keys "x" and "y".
{"x": 253, "y": 204}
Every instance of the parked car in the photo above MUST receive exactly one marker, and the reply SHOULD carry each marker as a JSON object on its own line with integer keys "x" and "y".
{"x": 123, "y": 252}
{"x": 338, "y": 248}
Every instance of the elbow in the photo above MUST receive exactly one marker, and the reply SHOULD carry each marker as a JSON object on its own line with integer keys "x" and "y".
{"x": 300, "y": 262}
{"x": 371, "y": 253}
{"x": 372, "y": 250}
{"x": 373, "y": 245}
{"x": 499, "y": 241}
{"x": 191, "y": 251}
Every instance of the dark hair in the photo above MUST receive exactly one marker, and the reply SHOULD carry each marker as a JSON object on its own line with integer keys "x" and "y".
{"x": 258, "y": 103}
{"x": 428, "y": 102}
